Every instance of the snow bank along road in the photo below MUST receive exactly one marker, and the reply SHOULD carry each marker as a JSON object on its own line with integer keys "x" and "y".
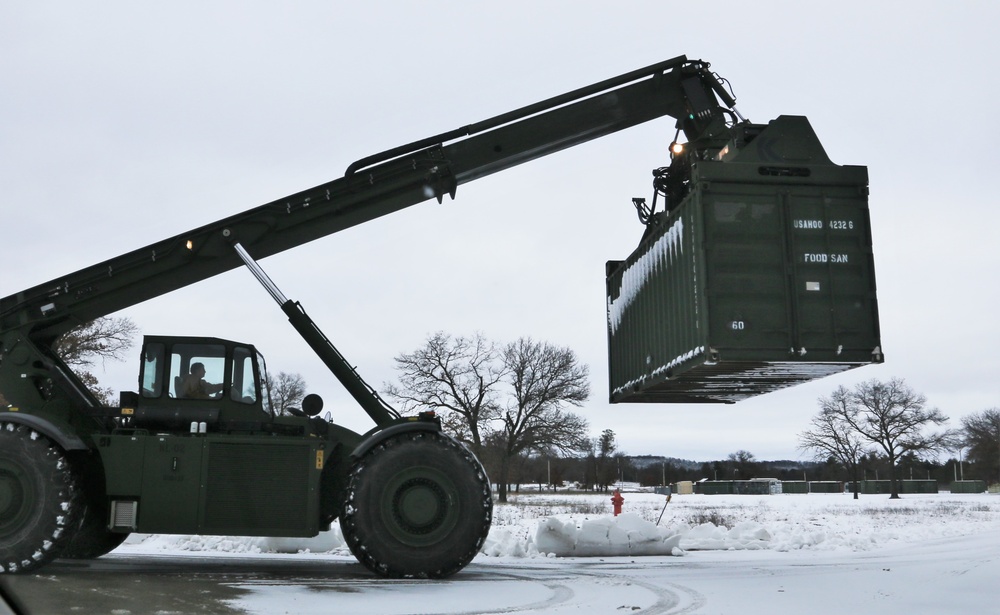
{"x": 795, "y": 554}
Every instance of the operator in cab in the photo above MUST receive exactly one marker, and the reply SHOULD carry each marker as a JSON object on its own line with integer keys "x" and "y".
{"x": 195, "y": 386}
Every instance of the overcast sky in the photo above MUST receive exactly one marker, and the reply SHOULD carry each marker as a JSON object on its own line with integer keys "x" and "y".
{"x": 124, "y": 123}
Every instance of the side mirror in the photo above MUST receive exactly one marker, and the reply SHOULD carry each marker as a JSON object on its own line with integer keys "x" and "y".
{"x": 312, "y": 404}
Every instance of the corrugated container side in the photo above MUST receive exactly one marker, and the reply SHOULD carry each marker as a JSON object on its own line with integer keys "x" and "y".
{"x": 795, "y": 486}
{"x": 826, "y": 486}
{"x": 653, "y": 301}
{"x": 967, "y": 486}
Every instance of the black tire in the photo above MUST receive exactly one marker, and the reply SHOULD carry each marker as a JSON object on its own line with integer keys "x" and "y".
{"x": 91, "y": 538}
{"x": 418, "y": 505}
{"x": 39, "y": 502}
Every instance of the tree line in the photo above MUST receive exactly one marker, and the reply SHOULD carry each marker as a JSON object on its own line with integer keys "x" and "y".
{"x": 651, "y": 470}
{"x": 890, "y": 422}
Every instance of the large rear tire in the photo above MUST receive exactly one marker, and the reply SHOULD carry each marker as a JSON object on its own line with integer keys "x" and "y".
{"x": 39, "y": 502}
{"x": 91, "y": 538}
{"x": 92, "y": 542}
{"x": 418, "y": 505}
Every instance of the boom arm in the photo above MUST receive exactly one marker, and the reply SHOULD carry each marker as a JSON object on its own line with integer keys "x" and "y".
{"x": 373, "y": 187}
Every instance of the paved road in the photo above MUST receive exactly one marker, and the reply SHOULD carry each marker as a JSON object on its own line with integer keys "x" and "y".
{"x": 955, "y": 575}
{"x": 135, "y": 585}
{"x": 122, "y": 584}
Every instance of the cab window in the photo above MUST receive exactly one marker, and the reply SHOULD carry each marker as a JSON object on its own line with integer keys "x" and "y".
{"x": 244, "y": 388}
{"x": 265, "y": 385}
{"x": 152, "y": 370}
{"x": 197, "y": 371}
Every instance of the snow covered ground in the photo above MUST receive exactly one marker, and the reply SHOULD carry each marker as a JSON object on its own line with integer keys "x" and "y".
{"x": 817, "y": 553}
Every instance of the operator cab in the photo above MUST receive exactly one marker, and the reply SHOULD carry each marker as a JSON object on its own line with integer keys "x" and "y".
{"x": 185, "y": 380}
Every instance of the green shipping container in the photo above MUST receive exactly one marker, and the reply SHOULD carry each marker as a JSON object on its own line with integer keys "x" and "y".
{"x": 905, "y": 486}
{"x": 968, "y": 486}
{"x": 761, "y": 278}
{"x": 715, "y": 487}
{"x": 825, "y": 486}
{"x": 794, "y": 486}
{"x": 813, "y": 486}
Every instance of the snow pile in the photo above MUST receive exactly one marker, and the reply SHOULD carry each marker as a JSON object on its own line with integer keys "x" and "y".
{"x": 508, "y": 542}
{"x": 746, "y": 535}
{"x": 331, "y": 541}
{"x": 546, "y": 525}
{"x": 624, "y": 535}
{"x": 193, "y": 544}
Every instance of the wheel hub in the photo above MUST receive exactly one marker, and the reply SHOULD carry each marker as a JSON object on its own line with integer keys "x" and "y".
{"x": 418, "y": 505}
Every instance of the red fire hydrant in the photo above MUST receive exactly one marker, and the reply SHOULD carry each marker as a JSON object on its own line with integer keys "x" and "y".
{"x": 616, "y": 501}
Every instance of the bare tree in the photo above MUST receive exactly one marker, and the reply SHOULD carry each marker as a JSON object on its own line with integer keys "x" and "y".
{"x": 543, "y": 377}
{"x": 105, "y": 338}
{"x": 744, "y": 464}
{"x": 981, "y": 434}
{"x": 894, "y": 417}
{"x": 287, "y": 391}
{"x": 456, "y": 377}
{"x": 831, "y": 436}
